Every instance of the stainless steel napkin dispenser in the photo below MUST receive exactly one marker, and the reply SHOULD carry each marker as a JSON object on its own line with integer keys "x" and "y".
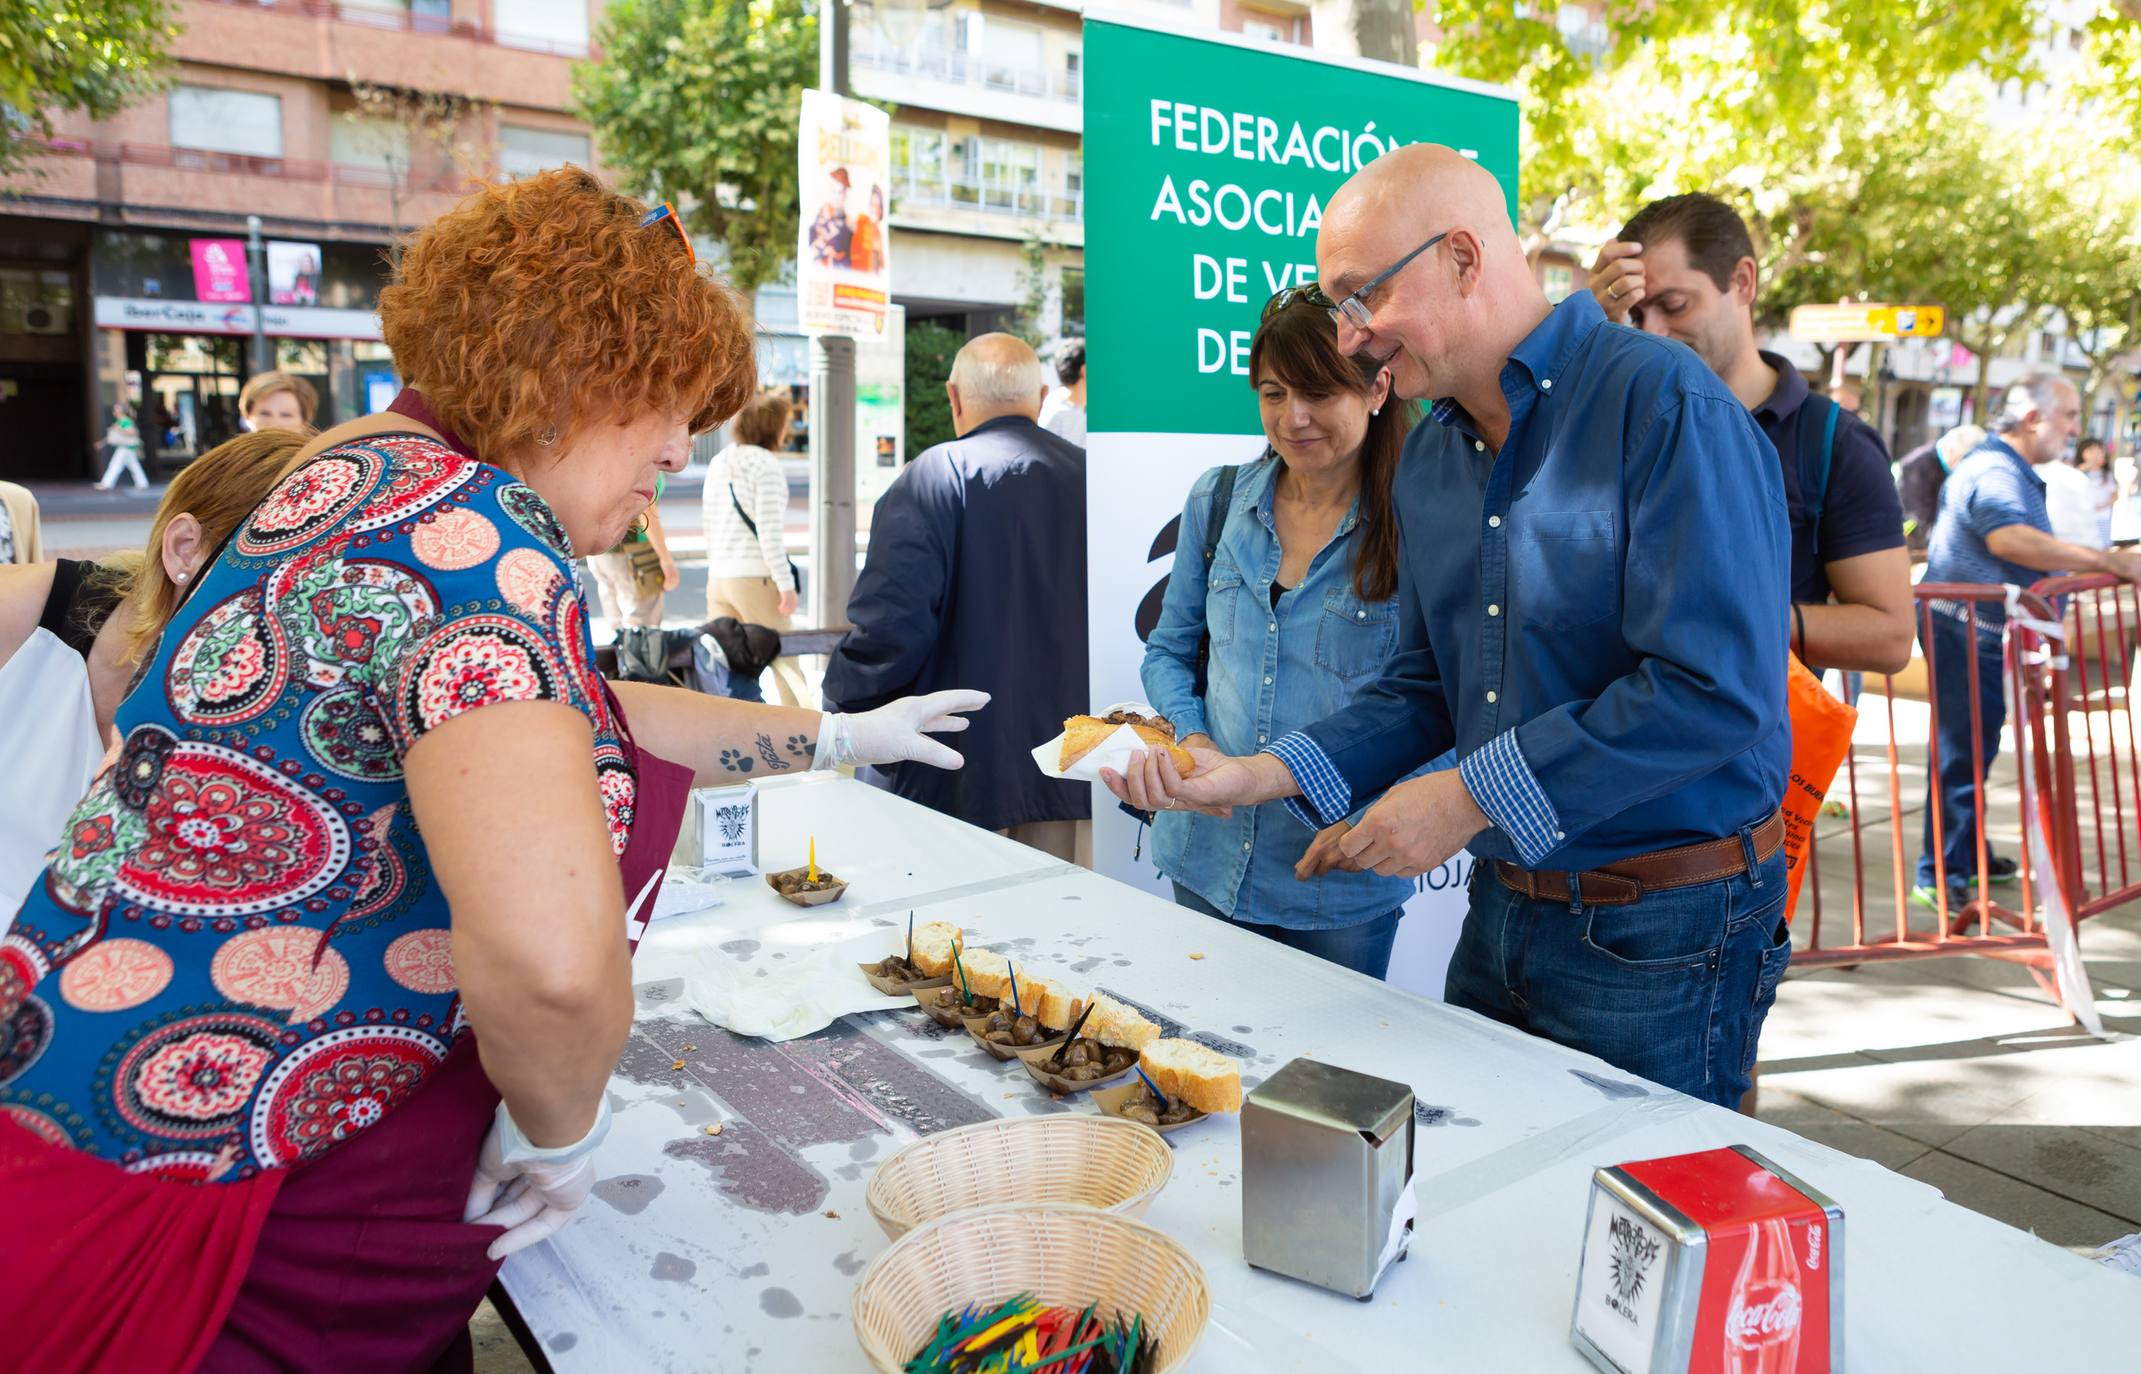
{"x": 1326, "y": 1163}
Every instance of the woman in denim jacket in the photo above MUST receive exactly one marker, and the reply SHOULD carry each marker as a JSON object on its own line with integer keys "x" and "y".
{"x": 1301, "y": 604}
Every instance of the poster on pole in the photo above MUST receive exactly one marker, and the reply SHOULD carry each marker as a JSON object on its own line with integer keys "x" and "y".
{"x": 843, "y": 249}
{"x": 1219, "y": 155}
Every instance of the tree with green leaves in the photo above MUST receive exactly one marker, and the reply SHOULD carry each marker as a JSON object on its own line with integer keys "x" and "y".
{"x": 931, "y": 347}
{"x": 697, "y": 102}
{"x": 94, "y": 57}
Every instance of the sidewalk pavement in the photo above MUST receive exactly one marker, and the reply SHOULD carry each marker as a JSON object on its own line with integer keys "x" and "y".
{"x": 1959, "y": 1070}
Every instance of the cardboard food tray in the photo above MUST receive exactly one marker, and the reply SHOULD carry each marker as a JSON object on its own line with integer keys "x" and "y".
{"x": 894, "y": 987}
{"x": 819, "y": 898}
{"x": 1110, "y": 1101}
{"x": 1004, "y": 1052}
{"x": 1039, "y": 1055}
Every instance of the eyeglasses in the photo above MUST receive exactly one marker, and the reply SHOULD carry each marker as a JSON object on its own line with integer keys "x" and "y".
{"x": 1311, "y": 292}
{"x": 666, "y": 211}
{"x": 1354, "y": 309}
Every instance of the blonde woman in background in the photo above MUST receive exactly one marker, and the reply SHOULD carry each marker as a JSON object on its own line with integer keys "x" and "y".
{"x": 72, "y": 634}
{"x": 748, "y": 574}
{"x": 277, "y": 400}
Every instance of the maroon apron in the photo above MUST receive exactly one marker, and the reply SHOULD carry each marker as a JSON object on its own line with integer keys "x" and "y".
{"x": 364, "y": 1262}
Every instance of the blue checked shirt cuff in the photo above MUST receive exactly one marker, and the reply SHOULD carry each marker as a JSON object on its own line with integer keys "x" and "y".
{"x": 1502, "y": 783}
{"x": 1326, "y": 796}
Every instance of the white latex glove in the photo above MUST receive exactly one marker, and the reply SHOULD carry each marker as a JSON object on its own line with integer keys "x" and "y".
{"x": 529, "y": 1190}
{"x": 897, "y": 732}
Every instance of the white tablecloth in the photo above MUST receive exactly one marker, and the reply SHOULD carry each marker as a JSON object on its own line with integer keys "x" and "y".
{"x": 739, "y": 1251}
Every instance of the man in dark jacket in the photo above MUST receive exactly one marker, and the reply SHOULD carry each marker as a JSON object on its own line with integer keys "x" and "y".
{"x": 976, "y": 577}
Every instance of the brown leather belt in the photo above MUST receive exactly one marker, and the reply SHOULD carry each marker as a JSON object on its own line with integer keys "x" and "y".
{"x": 1621, "y": 883}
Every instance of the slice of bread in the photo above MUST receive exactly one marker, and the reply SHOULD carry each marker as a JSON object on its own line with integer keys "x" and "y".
{"x": 988, "y": 972}
{"x": 1033, "y": 991}
{"x": 933, "y": 946}
{"x": 1060, "y": 1007}
{"x": 1112, "y": 1023}
{"x": 1083, "y": 734}
{"x": 1204, "y": 1078}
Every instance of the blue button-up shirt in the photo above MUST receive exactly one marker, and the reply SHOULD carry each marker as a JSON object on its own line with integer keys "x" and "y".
{"x": 1272, "y": 670}
{"x": 1992, "y": 488}
{"x": 1595, "y": 616}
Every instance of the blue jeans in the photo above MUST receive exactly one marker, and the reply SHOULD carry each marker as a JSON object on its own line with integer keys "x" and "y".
{"x": 1673, "y": 987}
{"x": 1364, "y": 948}
{"x": 1960, "y": 777}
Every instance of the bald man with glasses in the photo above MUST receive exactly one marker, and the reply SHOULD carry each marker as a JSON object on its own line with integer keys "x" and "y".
{"x": 1591, "y": 613}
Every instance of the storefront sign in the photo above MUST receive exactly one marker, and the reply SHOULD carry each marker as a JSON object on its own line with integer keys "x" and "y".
{"x": 1851, "y": 322}
{"x": 219, "y": 270}
{"x": 1220, "y": 157}
{"x": 194, "y": 317}
{"x": 293, "y": 273}
{"x": 843, "y": 262}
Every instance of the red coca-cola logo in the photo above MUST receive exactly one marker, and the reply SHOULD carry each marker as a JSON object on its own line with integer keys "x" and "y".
{"x": 1766, "y": 1314}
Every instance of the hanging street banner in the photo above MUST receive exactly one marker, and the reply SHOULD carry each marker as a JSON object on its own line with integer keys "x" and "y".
{"x": 843, "y": 262}
{"x": 1209, "y": 160}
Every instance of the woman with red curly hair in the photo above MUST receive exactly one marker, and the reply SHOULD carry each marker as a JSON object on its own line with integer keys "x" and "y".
{"x": 307, "y": 1023}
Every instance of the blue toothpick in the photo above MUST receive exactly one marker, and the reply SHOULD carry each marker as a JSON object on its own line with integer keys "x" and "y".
{"x": 910, "y": 937}
{"x": 1157, "y": 1095}
{"x": 1015, "y": 1006}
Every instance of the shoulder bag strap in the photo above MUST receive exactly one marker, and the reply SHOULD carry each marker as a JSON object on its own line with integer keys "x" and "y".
{"x": 1215, "y": 524}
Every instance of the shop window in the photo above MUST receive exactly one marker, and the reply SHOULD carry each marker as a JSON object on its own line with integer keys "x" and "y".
{"x": 524, "y": 152}
{"x": 1261, "y": 30}
{"x": 1074, "y": 300}
{"x": 218, "y": 120}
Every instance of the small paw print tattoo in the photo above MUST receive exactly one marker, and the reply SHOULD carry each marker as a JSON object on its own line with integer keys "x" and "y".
{"x": 801, "y": 745}
{"x": 736, "y": 761}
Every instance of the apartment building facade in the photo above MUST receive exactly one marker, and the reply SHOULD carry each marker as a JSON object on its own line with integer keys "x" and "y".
{"x": 125, "y": 272}
{"x": 987, "y": 201}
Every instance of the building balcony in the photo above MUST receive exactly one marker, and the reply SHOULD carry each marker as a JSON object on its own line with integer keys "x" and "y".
{"x": 419, "y": 49}
{"x": 937, "y": 78}
{"x": 992, "y": 210}
{"x": 152, "y": 183}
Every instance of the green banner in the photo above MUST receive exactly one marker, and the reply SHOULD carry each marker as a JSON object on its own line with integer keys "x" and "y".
{"x": 1208, "y": 165}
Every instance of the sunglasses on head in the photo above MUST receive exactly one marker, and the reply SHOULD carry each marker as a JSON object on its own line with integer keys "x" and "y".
{"x": 667, "y": 212}
{"x": 1310, "y": 292}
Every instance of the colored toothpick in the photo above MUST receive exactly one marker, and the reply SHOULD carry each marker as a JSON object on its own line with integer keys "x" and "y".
{"x": 910, "y": 937}
{"x": 966, "y": 989}
{"x": 1016, "y": 1009}
{"x": 814, "y": 858}
{"x": 1157, "y": 1095}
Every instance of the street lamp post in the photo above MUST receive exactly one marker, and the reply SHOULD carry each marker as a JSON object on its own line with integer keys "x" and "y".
{"x": 832, "y": 401}
{"x": 257, "y": 274}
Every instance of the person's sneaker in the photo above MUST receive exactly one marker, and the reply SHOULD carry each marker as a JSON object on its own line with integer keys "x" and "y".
{"x": 1928, "y": 896}
{"x": 2000, "y": 870}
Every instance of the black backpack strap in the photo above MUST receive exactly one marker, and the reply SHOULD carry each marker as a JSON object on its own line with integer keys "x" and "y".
{"x": 1215, "y": 524}
{"x": 1815, "y": 452}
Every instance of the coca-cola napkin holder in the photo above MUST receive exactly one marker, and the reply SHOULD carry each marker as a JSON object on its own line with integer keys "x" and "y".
{"x": 1717, "y": 1262}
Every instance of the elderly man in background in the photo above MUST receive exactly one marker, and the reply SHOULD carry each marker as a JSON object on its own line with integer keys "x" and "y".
{"x": 1994, "y": 527}
{"x": 1592, "y": 612}
{"x": 976, "y": 575}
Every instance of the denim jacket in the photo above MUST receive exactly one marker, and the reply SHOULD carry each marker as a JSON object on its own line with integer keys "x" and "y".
{"x": 1270, "y": 672}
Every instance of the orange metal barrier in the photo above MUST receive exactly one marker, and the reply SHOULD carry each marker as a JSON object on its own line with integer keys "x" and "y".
{"x": 1995, "y": 922}
{"x": 2095, "y": 782}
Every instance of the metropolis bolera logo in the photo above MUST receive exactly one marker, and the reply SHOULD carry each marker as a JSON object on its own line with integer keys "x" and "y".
{"x": 1635, "y": 1249}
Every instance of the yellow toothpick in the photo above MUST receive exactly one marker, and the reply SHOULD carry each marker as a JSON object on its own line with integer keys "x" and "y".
{"x": 814, "y": 858}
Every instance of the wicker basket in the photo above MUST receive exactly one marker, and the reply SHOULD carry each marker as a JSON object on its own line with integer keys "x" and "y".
{"x": 1103, "y": 1163}
{"x": 1065, "y": 1255}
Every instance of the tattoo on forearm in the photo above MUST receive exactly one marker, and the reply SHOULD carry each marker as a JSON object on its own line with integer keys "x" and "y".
{"x": 772, "y": 756}
{"x": 736, "y": 761}
{"x": 802, "y": 746}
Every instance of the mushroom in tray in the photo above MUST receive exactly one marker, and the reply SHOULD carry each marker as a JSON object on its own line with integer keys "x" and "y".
{"x": 1112, "y": 1036}
{"x": 1194, "y": 1079}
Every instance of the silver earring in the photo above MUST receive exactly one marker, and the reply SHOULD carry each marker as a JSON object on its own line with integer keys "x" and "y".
{"x": 1377, "y": 411}
{"x": 549, "y": 437}
{"x": 181, "y": 577}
